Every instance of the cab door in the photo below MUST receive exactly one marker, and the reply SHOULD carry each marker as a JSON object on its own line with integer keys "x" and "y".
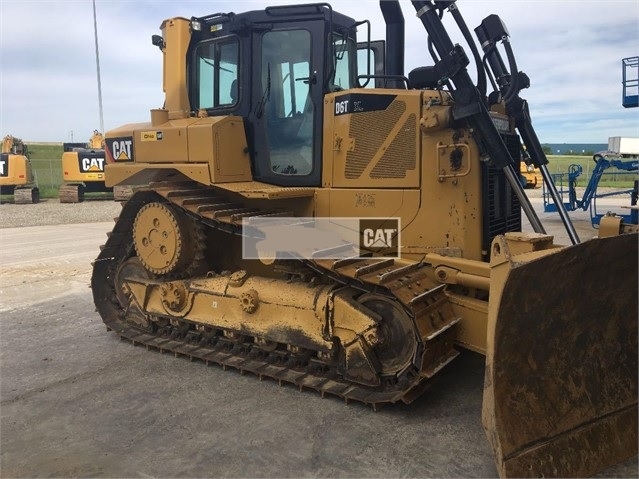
{"x": 286, "y": 110}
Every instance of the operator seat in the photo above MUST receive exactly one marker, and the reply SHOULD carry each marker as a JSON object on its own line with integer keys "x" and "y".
{"x": 423, "y": 77}
{"x": 234, "y": 92}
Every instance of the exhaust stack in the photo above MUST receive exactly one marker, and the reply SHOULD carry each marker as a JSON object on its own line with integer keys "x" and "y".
{"x": 394, "y": 56}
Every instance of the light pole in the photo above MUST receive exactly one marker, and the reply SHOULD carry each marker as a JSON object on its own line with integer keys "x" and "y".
{"x": 97, "y": 65}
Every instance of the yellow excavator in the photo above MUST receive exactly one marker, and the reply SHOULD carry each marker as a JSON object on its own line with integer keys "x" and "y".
{"x": 269, "y": 115}
{"x": 530, "y": 176}
{"x": 16, "y": 172}
{"x": 83, "y": 171}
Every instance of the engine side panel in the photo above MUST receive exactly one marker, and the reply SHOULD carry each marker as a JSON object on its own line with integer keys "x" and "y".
{"x": 15, "y": 170}
{"x": 83, "y": 165}
{"x": 208, "y": 150}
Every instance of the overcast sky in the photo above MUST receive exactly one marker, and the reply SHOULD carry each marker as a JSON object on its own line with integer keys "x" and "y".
{"x": 571, "y": 50}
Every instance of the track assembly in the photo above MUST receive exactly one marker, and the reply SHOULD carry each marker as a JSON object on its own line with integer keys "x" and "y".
{"x": 345, "y": 335}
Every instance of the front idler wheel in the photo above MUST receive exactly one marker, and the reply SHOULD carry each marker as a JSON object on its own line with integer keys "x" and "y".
{"x": 132, "y": 268}
{"x": 395, "y": 343}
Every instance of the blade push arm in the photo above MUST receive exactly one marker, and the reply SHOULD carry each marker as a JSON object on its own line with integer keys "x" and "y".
{"x": 491, "y": 31}
{"x": 469, "y": 104}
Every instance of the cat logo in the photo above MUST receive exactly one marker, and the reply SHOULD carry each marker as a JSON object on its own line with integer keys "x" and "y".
{"x": 380, "y": 235}
{"x": 378, "y": 238}
{"x": 121, "y": 149}
{"x": 4, "y": 165}
{"x": 91, "y": 164}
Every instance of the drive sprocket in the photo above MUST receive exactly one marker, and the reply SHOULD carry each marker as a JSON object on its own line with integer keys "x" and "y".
{"x": 165, "y": 242}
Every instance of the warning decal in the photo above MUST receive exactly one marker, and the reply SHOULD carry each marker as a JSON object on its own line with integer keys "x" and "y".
{"x": 151, "y": 135}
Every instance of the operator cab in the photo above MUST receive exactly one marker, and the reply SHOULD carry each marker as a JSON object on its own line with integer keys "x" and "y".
{"x": 272, "y": 68}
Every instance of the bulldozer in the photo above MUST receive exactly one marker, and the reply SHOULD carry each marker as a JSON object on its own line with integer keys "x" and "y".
{"x": 83, "y": 171}
{"x": 282, "y": 114}
{"x": 16, "y": 172}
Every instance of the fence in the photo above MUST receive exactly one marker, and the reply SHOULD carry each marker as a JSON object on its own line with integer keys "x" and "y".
{"x": 48, "y": 173}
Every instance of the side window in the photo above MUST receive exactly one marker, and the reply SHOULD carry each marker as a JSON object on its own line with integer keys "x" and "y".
{"x": 217, "y": 67}
{"x": 343, "y": 50}
{"x": 371, "y": 54}
{"x": 363, "y": 63}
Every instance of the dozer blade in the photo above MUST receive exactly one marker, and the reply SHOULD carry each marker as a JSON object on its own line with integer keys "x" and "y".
{"x": 560, "y": 393}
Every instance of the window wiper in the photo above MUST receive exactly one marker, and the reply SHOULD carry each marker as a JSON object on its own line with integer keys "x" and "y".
{"x": 340, "y": 48}
{"x": 266, "y": 96}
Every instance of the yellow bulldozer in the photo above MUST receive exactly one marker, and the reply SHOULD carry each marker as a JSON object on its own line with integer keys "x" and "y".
{"x": 530, "y": 176}
{"x": 16, "y": 172}
{"x": 83, "y": 171}
{"x": 269, "y": 115}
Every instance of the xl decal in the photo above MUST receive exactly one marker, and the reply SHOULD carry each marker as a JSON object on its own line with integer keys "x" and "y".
{"x": 361, "y": 103}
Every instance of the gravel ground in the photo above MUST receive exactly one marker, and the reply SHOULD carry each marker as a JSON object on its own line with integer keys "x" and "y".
{"x": 52, "y": 212}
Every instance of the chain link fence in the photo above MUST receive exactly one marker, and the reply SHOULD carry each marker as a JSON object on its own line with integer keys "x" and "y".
{"x": 48, "y": 175}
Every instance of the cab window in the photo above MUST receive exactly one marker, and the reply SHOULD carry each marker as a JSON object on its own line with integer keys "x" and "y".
{"x": 289, "y": 111}
{"x": 217, "y": 73}
{"x": 366, "y": 66}
{"x": 344, "y": 60}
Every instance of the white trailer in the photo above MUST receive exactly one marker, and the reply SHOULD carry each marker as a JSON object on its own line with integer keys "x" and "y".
{"x": 623, "y": 146}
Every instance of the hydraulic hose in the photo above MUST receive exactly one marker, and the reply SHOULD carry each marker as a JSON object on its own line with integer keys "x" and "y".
{"x": 481, "y": 73}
